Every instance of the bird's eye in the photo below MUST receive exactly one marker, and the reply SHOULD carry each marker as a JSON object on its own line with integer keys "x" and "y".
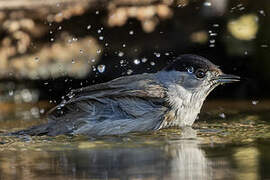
{"x": 200, "y": 73}
{"x": 190, "y": 70}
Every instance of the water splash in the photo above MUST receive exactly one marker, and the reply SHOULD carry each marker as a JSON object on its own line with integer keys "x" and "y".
{"x": 101, "y": 68}
{"x": 136, "y": 61}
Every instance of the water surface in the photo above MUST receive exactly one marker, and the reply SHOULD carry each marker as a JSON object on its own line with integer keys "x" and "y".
{"x": 232, "y": 142}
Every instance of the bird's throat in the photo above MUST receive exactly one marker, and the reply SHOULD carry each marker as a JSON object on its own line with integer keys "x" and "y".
{"x": 184, "y": 107}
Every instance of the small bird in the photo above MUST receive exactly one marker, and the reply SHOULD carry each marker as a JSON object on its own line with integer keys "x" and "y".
{"x": 137, "y": 103}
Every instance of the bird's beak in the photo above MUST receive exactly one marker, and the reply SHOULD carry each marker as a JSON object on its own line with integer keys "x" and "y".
{"x": 227, "y": 78}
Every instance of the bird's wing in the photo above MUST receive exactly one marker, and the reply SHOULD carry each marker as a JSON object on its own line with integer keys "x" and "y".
{"x": 143, "y": 85}
{"x": 138, "y": 98}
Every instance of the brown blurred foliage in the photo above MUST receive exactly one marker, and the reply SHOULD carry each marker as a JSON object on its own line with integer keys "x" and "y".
{"x": 25, "y": 27}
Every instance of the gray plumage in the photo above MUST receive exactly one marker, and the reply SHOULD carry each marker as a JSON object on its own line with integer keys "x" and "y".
{"x": 144, "y": 102}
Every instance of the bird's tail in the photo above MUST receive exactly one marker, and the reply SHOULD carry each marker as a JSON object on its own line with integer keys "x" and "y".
{"x": 38, "y": 130}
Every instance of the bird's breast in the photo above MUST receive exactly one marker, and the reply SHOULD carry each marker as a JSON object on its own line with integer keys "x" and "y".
{"x": 184, "y": 108}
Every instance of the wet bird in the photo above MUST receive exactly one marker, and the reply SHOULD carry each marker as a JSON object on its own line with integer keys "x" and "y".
{"x": 137, "y": 103}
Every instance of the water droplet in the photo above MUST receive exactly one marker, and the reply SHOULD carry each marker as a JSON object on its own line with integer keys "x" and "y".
{"x": 213, "y": 34}
{"x": 262, "y": 12}
{"x": 137, "y": 61}
{"x": 264, "y": 45}
{"x": 144, "y": 60}
{"x": 46, "y": 83}
{"x": 190, "y": 70}
{"x": 99, "y": 31}
{"x": 70, "y": 95}
{"x": 215, "y": 25}
{"x": 212, "y": 45}
{"x": 10, "y": 92}
{"x": 222, "y": 115}
{"x": 152, "y": 63}
{"x": 245, "y": 52}
{"x": 207, "y": 3}
{"x": 167, "y": 54}
{"x": 60, "y": 27}
{"x": 212, "y": 41}
{"x": 157, "y": 54}
{"x": 101, "y": 68}
{"x": 122, "y": 62}
{"x": 50, "y": 32}
{"x": 101, "y": 38}
{"x": 239, "y": 5}
{"x": 51, "y": 39}
{"x": 124, "y": 45}
{"x": 131, "y": 32}
{"x": 255, "y": 102}
{"x": 241, "y": 8}
{"x": 129, "y": 71}
{"x": 97, "y": 12}
{"x": 41, "y": 111}
{"x": 106, "y": 44}
{"x": 88, "y": 27}
{"x": 120, "y": 54}
{"x": 74, "y": 39}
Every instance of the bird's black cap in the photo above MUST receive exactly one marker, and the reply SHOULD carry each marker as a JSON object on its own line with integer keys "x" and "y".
{"x": 181, "y": 63}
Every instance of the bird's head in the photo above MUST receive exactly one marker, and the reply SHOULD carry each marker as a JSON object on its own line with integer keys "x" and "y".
{"x": 199, "y": 74}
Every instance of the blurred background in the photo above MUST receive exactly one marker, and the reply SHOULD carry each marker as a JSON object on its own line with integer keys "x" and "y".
{"x": 49, "y": 47}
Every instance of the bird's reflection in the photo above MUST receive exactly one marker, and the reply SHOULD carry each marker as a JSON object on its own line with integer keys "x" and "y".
{"x": 188, "y": 161}
{"x": 177, "y": 159}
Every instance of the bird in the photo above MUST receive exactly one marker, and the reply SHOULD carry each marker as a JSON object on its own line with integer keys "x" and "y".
{"x": 171, "y": 97}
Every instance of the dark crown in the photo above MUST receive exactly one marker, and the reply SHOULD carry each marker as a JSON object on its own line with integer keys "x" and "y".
{"x": 181, "y": 63}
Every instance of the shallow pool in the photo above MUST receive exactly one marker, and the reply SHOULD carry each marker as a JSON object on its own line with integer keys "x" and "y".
{"x": 230, "y": 140}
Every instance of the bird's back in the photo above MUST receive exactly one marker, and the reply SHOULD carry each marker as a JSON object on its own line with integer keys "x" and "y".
{"x": 126, "y": 104}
